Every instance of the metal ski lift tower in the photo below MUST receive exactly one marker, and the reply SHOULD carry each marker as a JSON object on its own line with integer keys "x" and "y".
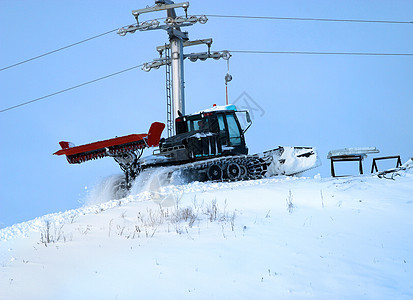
{"x": 194, "y": 151}
{"x": 174, "y": 85}
{"x": 174, "y": 55}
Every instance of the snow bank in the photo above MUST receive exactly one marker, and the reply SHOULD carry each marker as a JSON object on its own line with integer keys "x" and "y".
{"x": 110, "y": 188}
{"x": 408, "y": 164}
{"x": 275, "y": 238}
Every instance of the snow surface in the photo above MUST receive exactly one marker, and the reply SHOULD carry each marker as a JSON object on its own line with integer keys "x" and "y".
{"x": 353, "y": 151}
{"x": 277, "y": 238}
{"x": 217, "y": 108}
{"x": 202, "y": 134}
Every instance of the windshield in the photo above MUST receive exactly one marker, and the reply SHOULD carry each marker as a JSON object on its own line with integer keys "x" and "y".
{"x": 198, "y": 124}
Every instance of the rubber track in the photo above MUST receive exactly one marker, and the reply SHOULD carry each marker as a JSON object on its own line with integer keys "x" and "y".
{"x": 256, "y": 166}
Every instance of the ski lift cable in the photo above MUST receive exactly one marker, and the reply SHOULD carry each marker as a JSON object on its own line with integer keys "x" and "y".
{"x": 310, "y": 19}
{"x": 69, "y": 89}
{"x": 57, "y": 50}
{"x": 320, "y": 53}
{"x": 233, "y": 51}
{"x": 217, "y": 16}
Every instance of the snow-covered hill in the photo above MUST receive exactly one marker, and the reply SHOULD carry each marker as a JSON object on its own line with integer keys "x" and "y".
{"x": 278, "y": 238}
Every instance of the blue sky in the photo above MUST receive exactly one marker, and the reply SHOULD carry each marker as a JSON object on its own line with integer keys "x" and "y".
{"x": 329, "y": 102}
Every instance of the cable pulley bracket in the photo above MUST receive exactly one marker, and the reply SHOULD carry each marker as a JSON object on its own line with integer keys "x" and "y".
{"x": 205, "y": 55}
{"x": 169, "y": 23}
{"x": 158, "y": 62}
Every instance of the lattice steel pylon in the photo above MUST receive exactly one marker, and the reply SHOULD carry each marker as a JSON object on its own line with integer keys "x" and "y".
{"x": 169, "y": 114}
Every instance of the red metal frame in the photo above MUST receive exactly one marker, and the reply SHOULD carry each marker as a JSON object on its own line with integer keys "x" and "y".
{"x": 102, "y": 144}
{"x": 132, "y": 142}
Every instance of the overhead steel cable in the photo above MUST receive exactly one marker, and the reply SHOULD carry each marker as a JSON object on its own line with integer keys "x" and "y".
{"x": 310, "y": 19}
{"x": 68, "y": 89}
{"x": 219, "y": 16}
{"x": 233, "y": 51}
{"x": 57, "y": 50}
{"x": 320, "y": 53}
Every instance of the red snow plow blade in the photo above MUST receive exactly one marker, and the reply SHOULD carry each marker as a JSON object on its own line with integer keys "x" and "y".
{"x": 111, "y": 147}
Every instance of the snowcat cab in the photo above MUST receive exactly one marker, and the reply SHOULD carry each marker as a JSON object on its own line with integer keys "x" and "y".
{"x": 211, "y": 133}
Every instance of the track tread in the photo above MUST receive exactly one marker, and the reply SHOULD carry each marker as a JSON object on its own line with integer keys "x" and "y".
{"x": 255, "y": 165}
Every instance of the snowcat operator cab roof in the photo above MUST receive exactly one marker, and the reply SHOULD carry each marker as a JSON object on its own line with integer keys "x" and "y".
{"x": 200, "y": 120}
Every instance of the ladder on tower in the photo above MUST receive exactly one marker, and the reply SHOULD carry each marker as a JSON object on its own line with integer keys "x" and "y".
{"x": 169, "y": 113}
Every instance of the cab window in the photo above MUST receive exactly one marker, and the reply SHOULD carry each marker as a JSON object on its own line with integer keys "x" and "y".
{"x": 233, "y": 130}
{"x": 222, "y": 129}
{"x": 198, "y": 124}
